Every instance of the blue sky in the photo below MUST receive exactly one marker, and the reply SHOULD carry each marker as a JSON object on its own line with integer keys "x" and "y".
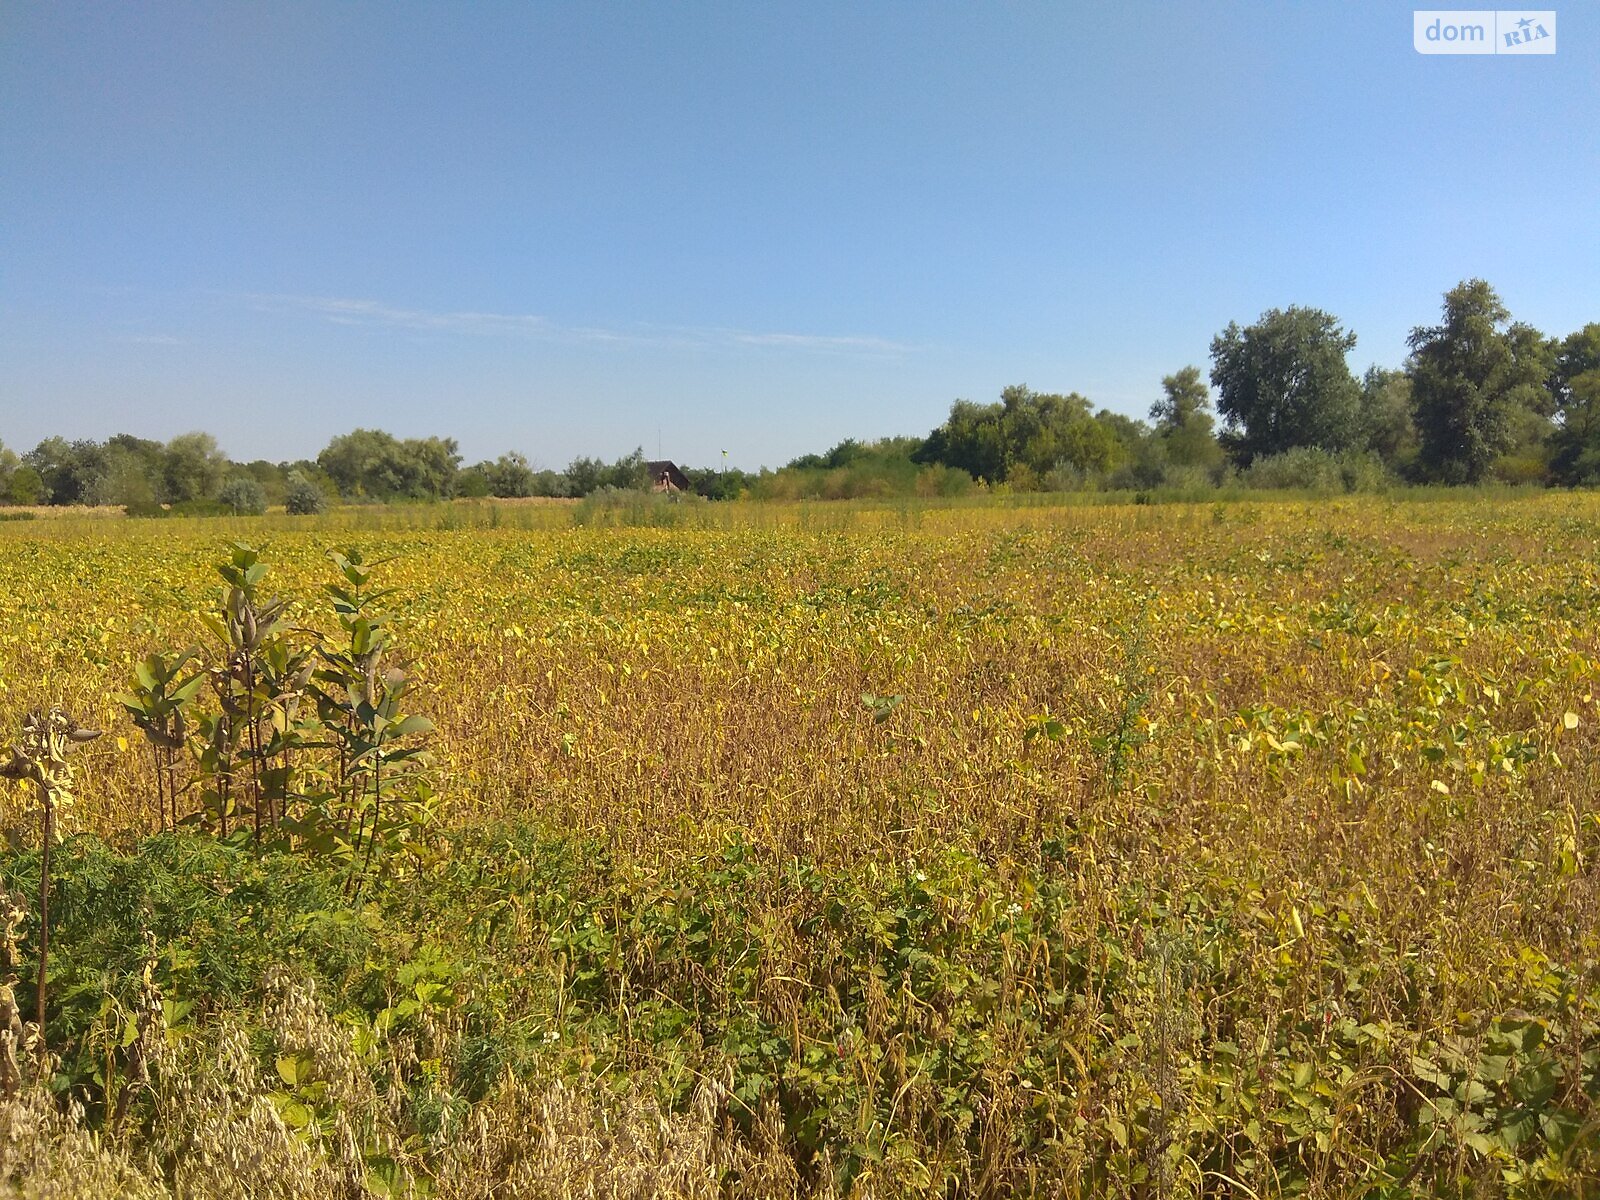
{"x": 762, "y": 227}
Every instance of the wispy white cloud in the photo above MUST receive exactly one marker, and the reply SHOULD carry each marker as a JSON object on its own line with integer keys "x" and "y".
{"x": 812, "y": 341}
{"x": 149, "y": 339}
{"x": 373, "y": 313}
{"x": 345, "y": 311}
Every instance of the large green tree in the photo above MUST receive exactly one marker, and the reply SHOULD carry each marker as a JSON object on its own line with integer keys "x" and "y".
{"x": 377, "y": 465}
{"x": 23, "y": 486}
{"x": 1575, "y": 390}
{"x": 1476, "y": 380}
{"x": 9, "y": 462}
{"x": 366, "y": 463}
{"x": 628, "y": 473}
{"x": 1182, "y": 419}
{"x": 1023, "y": 438}
{"x": 68, "y": 472}
{"x": 1046, "y": 430}
{"x": 195, "y": 467}
{"x": 134, "y": 474}
{"x": 1387, "y": 429}
{"x": 970, "y": 440}
{"x": 1284, "y": 382}
{"x": 508, "y": 476}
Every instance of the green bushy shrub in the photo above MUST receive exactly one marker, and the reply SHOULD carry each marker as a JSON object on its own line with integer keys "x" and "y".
{"x": 302, "y": 497}
{"x": 243, "y": 496}
{"x": 1308, "y": 469}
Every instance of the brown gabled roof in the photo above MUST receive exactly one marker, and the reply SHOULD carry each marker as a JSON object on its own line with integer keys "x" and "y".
{"x": 668, "y": 468}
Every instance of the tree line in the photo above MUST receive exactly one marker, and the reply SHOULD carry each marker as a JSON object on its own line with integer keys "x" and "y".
{"x": 191, "y": 474}
{"x": 1480, "y": 397}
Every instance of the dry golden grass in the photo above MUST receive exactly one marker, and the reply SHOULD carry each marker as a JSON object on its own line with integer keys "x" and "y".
{"x": 220, "y": 1136}
{"x": 67, "y": 512}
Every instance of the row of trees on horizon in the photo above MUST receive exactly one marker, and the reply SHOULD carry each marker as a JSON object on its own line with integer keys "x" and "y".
{"x": 1480, "y": 398}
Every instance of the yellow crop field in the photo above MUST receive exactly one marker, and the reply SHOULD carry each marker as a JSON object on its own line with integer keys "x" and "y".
{"x": 1237, "y": 850}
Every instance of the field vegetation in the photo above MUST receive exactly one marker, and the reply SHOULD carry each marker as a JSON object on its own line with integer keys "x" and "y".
{"x": 632, "y": 848}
